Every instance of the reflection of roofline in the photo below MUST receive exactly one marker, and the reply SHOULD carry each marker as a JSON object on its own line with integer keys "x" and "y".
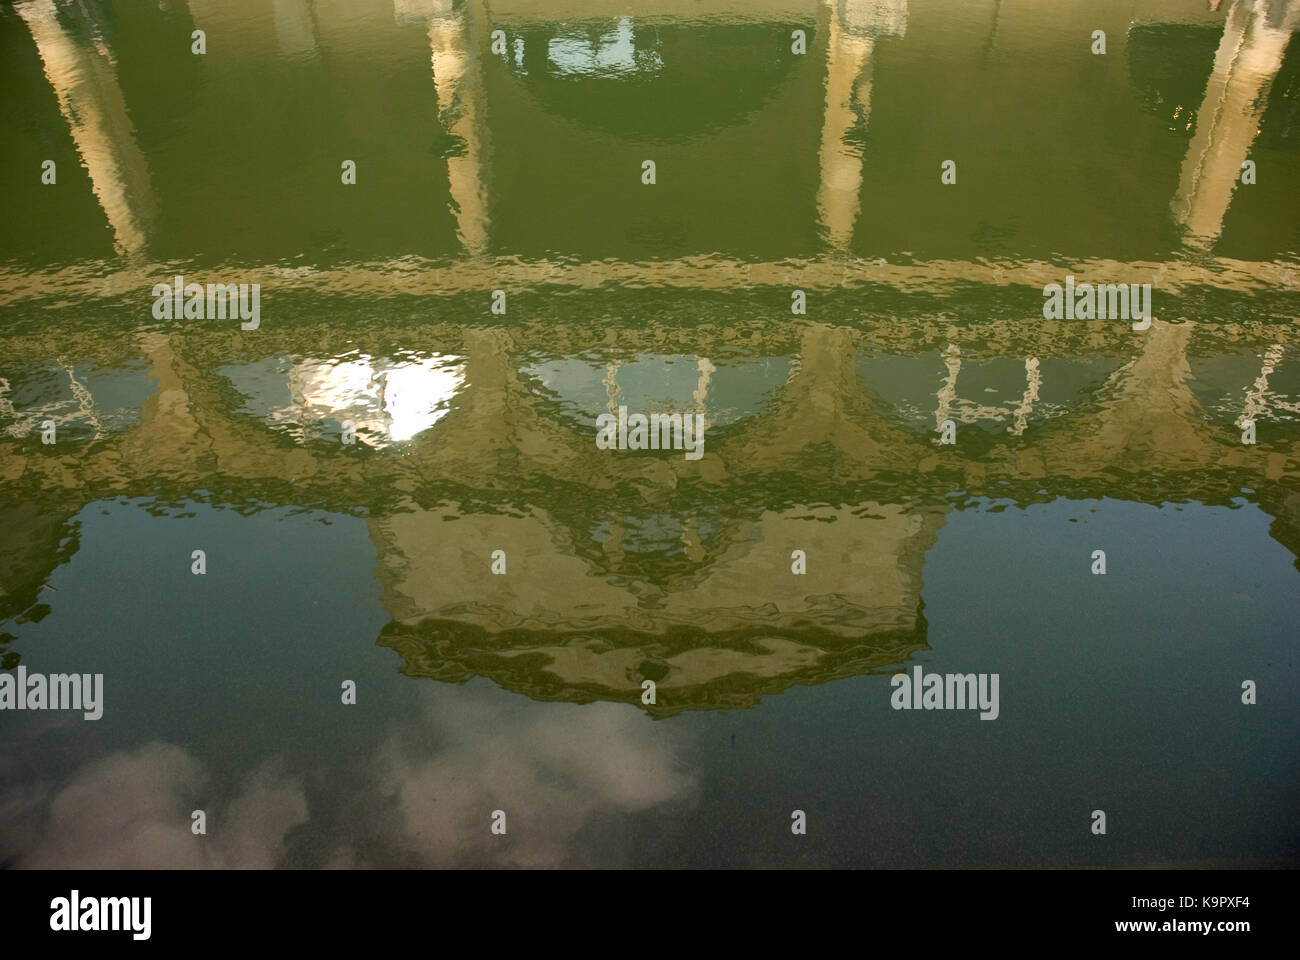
{"x": 455, "y": 652}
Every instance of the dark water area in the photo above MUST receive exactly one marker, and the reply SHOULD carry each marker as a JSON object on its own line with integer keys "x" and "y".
{"x": 366, "y": 587}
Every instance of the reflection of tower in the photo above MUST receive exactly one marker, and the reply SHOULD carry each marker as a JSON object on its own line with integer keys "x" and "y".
{"x": 90, "y": 99}
{"x": 1255, "y": 37}
{"x": 455, "y": 39}
{"x": 854, "y": 27}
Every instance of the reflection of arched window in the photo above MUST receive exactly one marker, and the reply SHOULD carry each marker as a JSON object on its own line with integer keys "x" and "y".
{"x": 660, "y": 383}
{"x": 666, "y": 81}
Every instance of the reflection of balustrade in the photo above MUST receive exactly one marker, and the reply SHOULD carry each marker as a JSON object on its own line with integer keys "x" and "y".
{"x": 497, "y": 430}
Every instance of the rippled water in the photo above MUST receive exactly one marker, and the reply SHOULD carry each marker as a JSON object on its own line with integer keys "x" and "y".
{"x": 513, "y": 162}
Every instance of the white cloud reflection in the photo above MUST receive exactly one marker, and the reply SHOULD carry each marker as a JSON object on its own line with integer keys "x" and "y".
{"x": 424, "y": 798}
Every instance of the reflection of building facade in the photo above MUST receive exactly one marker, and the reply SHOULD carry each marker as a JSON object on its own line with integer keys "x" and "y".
{"x": 626, "y": 568}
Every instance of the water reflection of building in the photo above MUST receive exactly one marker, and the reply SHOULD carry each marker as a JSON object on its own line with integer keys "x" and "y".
{"x": 598, "y": 44}
{"x": 626, "y": 568}
{"x": 632, "y": 568}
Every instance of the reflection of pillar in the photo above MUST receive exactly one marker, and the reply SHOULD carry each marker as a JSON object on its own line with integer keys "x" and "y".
{"x": 1146, "y": 417}
{"x": 90, "y": 100}
{"x": 691, "y": 544}
{"x": 168, "y": 437}
{"x": 613, "y": 544}
{"x": 841, "y": 164}
{"x": 494, "y": 431}
{"x": 1255, "y": 403}
{"x": 458, "y": 81}
{"x": 700, "y": 397}
{"x": 948, "y": 392}
{"x": 854, "y": 27}
{"x": 1255, "y": 36}
{"x": 822, "y": 403}
{"x": 612, "y": 389}
{"x": 293, "y": 28}
{"x": 1032, "y": 382}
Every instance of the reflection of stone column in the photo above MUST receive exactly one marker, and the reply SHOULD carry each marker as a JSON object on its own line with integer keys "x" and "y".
{"x": 1032, "y": 382}
{"x": 1255, "y": 37}
{"x": 612, "y": 389}
{"x": 90, "y": 100}
{"x": 700, "y": 396}
{"x": 948, "y": 392}
{"x": 494, "y": 435}
{"x": 854, "y": 27}
{"x": 458, "y": 81}
{"x": 168, "y": 438}
{"x": 823, "y": 402}
{"x": 841, "y": 164}
{"x": 1148, "y": 416}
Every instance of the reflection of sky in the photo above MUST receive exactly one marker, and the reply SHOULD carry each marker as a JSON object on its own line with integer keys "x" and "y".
{"x": 390, "y": 400}
{"x": 439, "y": 774}
{"x": 574, "y": 53}
{"x": 662, "y": 383}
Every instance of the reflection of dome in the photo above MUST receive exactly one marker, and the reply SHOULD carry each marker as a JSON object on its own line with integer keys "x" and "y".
{"x": 667, "y": 81}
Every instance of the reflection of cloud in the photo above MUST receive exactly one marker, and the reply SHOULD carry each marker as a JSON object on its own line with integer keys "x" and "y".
{"x": 390, "y": 401}
{"x": 560, "y": 772}
{"x": 132, "y": 810}
{"x": 552, "y": 768}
